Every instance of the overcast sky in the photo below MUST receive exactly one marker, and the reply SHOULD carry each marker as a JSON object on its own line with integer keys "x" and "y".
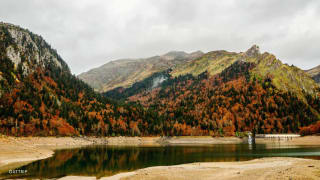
{"x": 89, "y": 33}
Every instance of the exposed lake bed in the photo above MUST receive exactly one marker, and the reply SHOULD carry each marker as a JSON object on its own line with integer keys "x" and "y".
{"x": 90, "y": 157}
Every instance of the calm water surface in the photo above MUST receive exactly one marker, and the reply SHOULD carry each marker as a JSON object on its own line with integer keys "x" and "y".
{"x": 102, "y": 161}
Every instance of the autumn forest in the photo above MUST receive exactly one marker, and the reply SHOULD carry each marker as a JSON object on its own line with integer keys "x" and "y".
{"x": 40, "y": 97}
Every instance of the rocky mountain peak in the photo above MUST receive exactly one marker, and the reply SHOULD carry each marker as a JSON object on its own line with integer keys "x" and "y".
{"x": 176, "y": 53}
{"x": 27, "y": 49}
{"x": 253, "y": 51}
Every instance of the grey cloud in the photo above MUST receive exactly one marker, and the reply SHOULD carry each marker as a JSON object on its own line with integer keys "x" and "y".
{"x": 90, "y": 33}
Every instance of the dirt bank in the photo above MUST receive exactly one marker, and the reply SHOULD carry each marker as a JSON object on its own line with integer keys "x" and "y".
{"x": 204, "y": 140}
{"x": 300, "y": 141}
{"x": 15, "y": 152}
{"x": 260, "y": 169}
{"x": 157, "y": 141}
{"x": 283, "y": 168}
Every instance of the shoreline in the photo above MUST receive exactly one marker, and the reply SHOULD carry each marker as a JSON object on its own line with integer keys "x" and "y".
{"x": 262, "y": 169}
{"x": 19, "y": 151}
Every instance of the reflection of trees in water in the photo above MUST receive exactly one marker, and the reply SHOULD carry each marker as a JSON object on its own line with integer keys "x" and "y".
{"x": 105, "y": 161}
{"x": 94, "y": 161}
{"x": 313, "y": 157}
{"x": 59, "y": 158}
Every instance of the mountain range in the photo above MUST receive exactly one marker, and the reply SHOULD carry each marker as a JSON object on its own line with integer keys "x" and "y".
{"x": 284, "y": 77}
{"x": 125, "y": 72}
{"x": 229, "y": 92}
{"x": 218, "y": 93}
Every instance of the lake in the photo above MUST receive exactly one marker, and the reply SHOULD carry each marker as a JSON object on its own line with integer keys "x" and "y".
{"x": 102, "y": 161}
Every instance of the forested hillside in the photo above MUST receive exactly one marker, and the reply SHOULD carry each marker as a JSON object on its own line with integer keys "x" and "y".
{"x": 224, "y": 93}
{"x": 39, "y": 95}
{"x": 228, "y": 102}
{"x": 246, "y": 92}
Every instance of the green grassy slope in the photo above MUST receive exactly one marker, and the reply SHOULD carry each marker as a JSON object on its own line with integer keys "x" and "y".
{"x": 284, "y": 77}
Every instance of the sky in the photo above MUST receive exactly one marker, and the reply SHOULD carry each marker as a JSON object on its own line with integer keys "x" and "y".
{"x": 89, "y": 33}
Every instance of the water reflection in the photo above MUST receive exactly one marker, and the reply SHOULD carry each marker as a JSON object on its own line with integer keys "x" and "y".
{"x": 105, "y": 161}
